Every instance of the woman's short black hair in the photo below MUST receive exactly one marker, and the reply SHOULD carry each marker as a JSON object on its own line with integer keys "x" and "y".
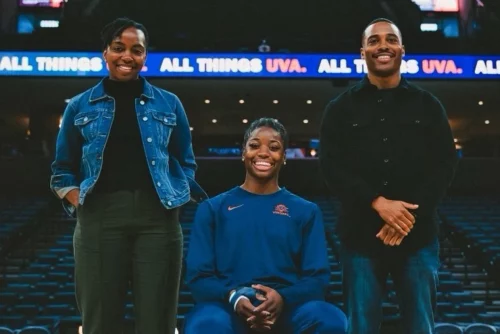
{"x": 116, "y": 27}
{"x": 269, "y": 123}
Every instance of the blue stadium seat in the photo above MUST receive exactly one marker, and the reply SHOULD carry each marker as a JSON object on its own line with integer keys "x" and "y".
{"x": 335, "y": 297}
{"x": 50, "y": 287}
{"x": 59, "y": 277}
{"x": 59, "y": 309}
{"x": 39, "y": 268}
{"x": 9, "y": 297}
{"x": 489, "y": 317}
{"x": 463, "y": 294}
{"x": 64, "y": 242}
{"x": 185, "y": 308}
{"x": 450, "y": 286}
{"x": 38, "y": 298}
{"x": 31, "y": 278}
{"x": 67, "y": 266}
{"x": 19, "y": 287}
{"x": 68, "y": 287}
{"x": 445, "y": 307}
{"x": 60, "y": 251}
{"x": 480, "y": 329}
{"x": 48, "y": 258}
{"x": 65, "y": 298}
{"x": 6, "y": 330}
{"x": 473, "y": 308}
{"x": 445, "y": 328}
{"x": 33, "y": 330}
{"x": 46, "y": 321}
{"x": 12, "y": 321}
{"x": 390, "y": 309}
{"x": 460, "y": 297}
{"x": 30, "y": 310}
{"x": 457, "y": 317}
{"x": 129, "y": 309}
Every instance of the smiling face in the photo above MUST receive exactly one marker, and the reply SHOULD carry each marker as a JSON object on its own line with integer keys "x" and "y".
{"x": 126, "y": 55}
{"x": 264, "y": 153}
{"x": 382, "y": 49}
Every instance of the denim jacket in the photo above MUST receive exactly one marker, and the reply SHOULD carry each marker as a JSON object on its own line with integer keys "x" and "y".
{"x": 165, "y": 134}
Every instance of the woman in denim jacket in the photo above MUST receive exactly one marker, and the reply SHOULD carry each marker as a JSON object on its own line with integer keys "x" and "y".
{"x": 124, "y": 165}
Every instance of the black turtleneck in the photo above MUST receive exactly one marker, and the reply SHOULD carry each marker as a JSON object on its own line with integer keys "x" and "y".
{"x": 124, "y": 162}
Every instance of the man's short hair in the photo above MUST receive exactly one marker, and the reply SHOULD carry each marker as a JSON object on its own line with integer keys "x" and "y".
{"x": 380, "y": 19}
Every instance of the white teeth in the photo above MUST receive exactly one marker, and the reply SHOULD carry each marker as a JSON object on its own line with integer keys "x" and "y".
{"x": 262, "y": 163}
{"x": 384, "y": 57}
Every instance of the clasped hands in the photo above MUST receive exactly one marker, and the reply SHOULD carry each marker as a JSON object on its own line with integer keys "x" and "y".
{"x": 397, "y": 217}
{"x": 260, "y": 307}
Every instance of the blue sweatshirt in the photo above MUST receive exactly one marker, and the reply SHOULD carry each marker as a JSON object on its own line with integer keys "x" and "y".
{"x": 240, "y": 238}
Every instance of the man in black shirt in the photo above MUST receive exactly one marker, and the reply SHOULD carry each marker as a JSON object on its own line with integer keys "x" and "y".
{"x": 387, "y": 151}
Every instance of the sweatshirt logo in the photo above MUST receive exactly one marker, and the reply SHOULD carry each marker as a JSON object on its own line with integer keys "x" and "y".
{"x": 231, "y": 207}
{"x": 281, "y": 209}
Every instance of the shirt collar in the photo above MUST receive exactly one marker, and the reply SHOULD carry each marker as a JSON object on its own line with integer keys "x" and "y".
{"x": 365, "y": 84}
{"x": 98, "y": 91}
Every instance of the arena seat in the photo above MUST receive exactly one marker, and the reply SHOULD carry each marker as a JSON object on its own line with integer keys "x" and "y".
{"x": 480, "y": 329}
{"x": 5, "y": 330}
{"x": 41, "y": 291}
{"x": 446, "y": 328}
{"x": 34, "y": 330}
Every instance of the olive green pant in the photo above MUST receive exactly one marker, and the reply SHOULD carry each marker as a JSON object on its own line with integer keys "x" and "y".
{"x": 121, "y": 238}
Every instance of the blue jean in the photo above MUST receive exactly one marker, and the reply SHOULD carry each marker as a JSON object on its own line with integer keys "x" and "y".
{"x": 314, "y": 317}
{"x": 415, "y": 278}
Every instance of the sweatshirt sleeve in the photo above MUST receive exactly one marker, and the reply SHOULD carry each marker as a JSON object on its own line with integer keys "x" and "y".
{"x": 201, "y": 268}
{"x": 314, "y": 267}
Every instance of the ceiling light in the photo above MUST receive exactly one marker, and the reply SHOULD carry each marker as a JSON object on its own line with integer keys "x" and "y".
{"x": 305, "y": 121}
{"x": 455, "y": 140}
{"x": 245, "y": 120}
{"x": 214, "y": 121}
{"x": 207, "y": 101}
{"x": 480, "y": 103}
{"x": 242, "y": 101}
{"x": 309, "y": 101}
{"x": 487, "y": 122}
{"x": 49, "y": 24}
{"x": 275, "y": 101}
{"x": 429, "y": 27}
{"x": 191, "y": 128}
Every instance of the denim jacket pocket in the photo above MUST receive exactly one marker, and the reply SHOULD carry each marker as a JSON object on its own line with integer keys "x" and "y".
{"x": 165, "y": 123}
{"x": 87, "y": 123}
{"x": 166, "y": 118}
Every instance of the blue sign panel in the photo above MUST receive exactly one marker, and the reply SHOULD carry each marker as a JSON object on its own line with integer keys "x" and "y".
{"x": 239, "y": 65}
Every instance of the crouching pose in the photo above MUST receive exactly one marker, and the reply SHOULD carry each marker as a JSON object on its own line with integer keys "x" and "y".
{"x": 257, "y": 259}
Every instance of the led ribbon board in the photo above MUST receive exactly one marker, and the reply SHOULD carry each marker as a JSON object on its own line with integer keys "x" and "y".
{"x": 241, "y": 65}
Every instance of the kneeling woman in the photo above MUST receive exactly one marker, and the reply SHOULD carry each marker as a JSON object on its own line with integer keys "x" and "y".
{"x": 257, "y": 259}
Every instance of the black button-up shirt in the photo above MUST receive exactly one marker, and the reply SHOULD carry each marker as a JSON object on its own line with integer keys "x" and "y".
{"x": 395, "y": 143}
